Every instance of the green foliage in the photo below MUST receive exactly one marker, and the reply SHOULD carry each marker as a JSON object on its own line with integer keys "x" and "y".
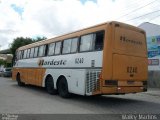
{"x": 20, "y": 41}
{"x": 2, "y": 62}
{"x": 8, "y": 65}
{"x": 39, "y": 39}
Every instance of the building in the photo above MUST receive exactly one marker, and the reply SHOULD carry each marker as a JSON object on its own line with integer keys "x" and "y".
{"x": 8, "y": 60}
{"x": 153, "y": 46}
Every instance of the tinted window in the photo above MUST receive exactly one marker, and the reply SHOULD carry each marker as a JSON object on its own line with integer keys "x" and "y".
{"x": 51, "y": 49}
{"x": 28, "y": 53}
{"x": 46, "y": 50}
{"x": 99, "y": 40}
{"x": 25, "y": 54}
{"x": 32, "y": 53}
{"x": 66, "y": 46}
{"x": 35, "y": 51}
{"x": 74, "y": 45}
{"x": 18, "y": 55}
{"x": 86, "y": 43}
{"x": 58, "y": 48}
{"x": 8, "y": 69}
{"x": 21, "y": 54}
{"x": 41, "y": 51}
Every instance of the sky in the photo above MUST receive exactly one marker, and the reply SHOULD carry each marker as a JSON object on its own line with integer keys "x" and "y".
{"x": 50, "y": 18}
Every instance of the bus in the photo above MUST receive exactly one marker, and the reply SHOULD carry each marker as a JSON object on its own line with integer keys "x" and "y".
{"x": 109, "y": 58}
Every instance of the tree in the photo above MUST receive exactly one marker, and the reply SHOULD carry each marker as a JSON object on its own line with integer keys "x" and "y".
{"x": 18, "y": 42}
{"x": 2, "y": 62}
{"x": 39, "y": 39}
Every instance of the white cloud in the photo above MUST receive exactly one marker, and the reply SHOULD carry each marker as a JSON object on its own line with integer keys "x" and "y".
{"x": 55, "y": 17}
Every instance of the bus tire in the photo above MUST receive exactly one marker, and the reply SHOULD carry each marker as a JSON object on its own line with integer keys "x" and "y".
{"x": 50, "y": 86}
{"x": 19, "y": 82}
{"x": 63, "y": 88}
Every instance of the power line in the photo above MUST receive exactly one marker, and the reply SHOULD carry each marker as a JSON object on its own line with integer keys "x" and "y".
{"x": 131, "y": 6}
{"x": 154, "y": 18}
{"x": 143, "y": 15}
{"x": 137, "y": 9}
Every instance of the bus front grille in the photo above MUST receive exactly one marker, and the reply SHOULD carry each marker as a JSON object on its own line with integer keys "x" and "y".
{"x": 92, "y": 81}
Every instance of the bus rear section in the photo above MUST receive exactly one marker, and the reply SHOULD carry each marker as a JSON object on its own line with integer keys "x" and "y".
{"x": 125, "y": 67}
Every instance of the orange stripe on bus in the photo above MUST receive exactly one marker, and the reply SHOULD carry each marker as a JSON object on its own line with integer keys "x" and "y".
{"x": 30, "y": 75}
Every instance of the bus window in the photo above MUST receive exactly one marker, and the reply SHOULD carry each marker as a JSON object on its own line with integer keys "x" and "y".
{"x": 51, "y": 49}
{"x": 35, "y": 51}
{"x": 41, "y": 51}
{"x": 28, "y": 53}
{"x": 99, "y": 40}
{"x": 32, "y": 53}
{"x": 86, "y": 43}
{"x": 66, "y": 46}
{"x": 74, "y": 45}
{"x": 21, "y": 54}
{"x": 58, "y": 48}
{"x": 18, "y": 55}
{"x": 25, "y": 54}
{"x": 46, "y": 50}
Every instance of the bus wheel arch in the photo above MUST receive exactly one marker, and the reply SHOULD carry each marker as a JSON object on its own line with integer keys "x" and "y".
{"x": 18, "y": 79}
{"x": 49, "y": 85}
{"x": 62, "y": 87}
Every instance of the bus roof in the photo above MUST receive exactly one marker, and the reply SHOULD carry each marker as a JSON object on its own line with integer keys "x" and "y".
{"x": 76, "y": 34}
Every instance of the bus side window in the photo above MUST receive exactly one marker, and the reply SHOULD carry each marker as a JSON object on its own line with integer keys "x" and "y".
{"x": 21, "y": 55}
{"x": 32, "y": 53}
{"x": 25, "y": 54}
{"x": 41, "y": 51}
{"x": 51, "y": 48}
{"x": 28, "y": 52}
{"x": 46, "y": 50}
{"x": 86, "y": 43}
{"x": 99, "y": 40}
{"x": 17, "y": 55}
{"x": 58, "y": 48}
{"x": 35, "y": 51}
{"x": 74, "y": 45}
{"x": 66, "y": 46}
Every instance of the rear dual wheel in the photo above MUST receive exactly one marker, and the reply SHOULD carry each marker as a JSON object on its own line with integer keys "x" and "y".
{"x": 50, "y": 86}
{"x": 63, "y": 88}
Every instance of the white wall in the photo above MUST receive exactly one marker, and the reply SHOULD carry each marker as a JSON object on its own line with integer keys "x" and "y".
{"x": 151, "y": 29}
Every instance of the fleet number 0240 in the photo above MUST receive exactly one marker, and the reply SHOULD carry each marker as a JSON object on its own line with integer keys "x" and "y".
{"x": 79, "y": 60}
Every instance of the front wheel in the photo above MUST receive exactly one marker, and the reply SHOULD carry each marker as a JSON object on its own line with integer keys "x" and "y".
{"x": 19, "y": 82}
{"x": 63, "y": 88}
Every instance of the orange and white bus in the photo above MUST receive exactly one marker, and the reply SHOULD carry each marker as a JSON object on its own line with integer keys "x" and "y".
{"x": 110, "y": 58}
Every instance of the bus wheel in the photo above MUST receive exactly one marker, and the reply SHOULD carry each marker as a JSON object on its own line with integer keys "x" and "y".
{"x": 19, "y": 81}
{"x": 50, "y": 86}
{"x": 63, "y": 88}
